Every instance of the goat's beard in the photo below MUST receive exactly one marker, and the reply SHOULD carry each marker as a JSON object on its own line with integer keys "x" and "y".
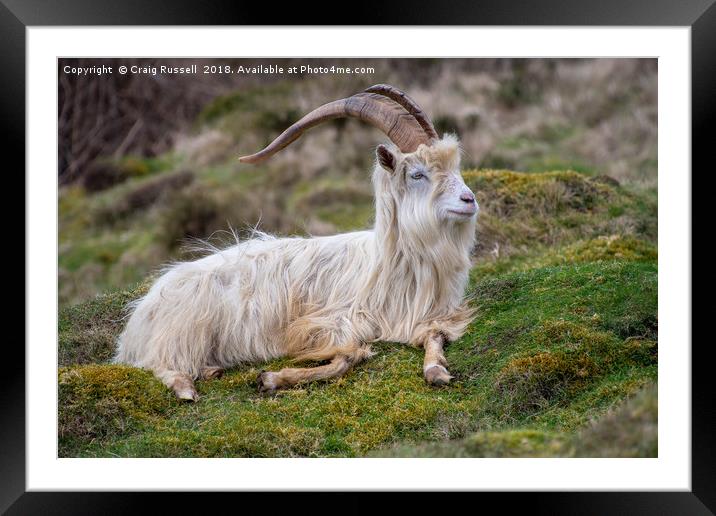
{"x": 422, "y": 266}
{"x": 422, "y": 227}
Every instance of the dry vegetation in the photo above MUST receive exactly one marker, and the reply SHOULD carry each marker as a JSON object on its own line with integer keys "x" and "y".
{"x": 564, "y": 277}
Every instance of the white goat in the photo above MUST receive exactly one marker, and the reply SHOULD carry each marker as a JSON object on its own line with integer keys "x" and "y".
{"x": 325, "y": 298}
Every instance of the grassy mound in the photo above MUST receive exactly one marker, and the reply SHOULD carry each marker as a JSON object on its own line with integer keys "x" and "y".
{"x": 521, "y": 212}
{"x": 546, "y": 354}
{"x": 103, "y": 401}
{"x": 627, "y": 430}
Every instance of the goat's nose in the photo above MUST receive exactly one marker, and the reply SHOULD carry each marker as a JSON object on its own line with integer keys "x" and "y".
{"x": 467, "y": 197}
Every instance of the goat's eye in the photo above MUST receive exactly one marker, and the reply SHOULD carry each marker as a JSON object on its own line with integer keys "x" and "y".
{"x": 417, "y": 175}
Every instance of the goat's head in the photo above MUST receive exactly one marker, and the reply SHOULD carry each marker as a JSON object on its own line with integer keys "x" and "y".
{"x": 419, "y": 170}
{"x": 426, "y": 183}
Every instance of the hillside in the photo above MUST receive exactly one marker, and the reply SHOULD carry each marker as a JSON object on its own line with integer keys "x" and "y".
{"x": 560, "y": 361}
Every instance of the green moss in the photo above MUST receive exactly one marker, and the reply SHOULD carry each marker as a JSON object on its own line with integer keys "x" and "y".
{"x": 382, "y": 401}
{"x": 544, "y": 337}
{"x": 102, "y": 401}
{"x": 516, "y": 443}
{"x": 578, "y": 354}
{"x": 612, "y": 247}
{"x": 532, "y": 382}
{"x": 523, "y": 213}
{"x": 540, "y": 360}
{"x": 601, "y": 248}
{"x": 571, "y": 335}
{"x": 509, "y": 193}
{"x": 628, "y": 429}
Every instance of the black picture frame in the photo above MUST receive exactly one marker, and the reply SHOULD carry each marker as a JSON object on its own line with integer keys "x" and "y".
{"x": 699, "y": 15}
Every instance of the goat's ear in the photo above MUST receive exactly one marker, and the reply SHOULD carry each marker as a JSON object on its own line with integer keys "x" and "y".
{"x": 386, "y": 158}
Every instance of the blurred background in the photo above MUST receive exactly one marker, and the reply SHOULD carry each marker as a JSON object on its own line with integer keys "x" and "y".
{"x": 147, "y": 162}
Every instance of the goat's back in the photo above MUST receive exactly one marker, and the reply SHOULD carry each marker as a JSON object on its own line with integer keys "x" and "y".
{"x": 234, "y": 305}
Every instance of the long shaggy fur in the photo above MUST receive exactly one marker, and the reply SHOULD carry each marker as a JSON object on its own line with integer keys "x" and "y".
{"x": 312, "y": 298}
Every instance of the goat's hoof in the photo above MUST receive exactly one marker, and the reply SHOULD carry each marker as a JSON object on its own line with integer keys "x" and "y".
{"x": 267, "y": 382}
{"x": 187, "y": 395}
{"x": 437, "y": 375}
{"x": 210, "y": 373}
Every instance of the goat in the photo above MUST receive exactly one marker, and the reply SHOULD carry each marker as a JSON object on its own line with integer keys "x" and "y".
{"x": 325, "y": 299}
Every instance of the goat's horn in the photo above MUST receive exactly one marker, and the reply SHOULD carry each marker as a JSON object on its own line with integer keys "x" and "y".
{"x": 408, "y": 103}
{"x": 380, "y": 110}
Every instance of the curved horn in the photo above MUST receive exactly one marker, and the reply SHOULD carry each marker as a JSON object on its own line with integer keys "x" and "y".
{"x": 381, "y": 111}
{"x": 408, "y": 103}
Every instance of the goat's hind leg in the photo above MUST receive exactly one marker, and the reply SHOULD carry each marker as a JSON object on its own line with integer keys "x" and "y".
{"x": 269, "y": 381}
{"x": 181, "y": 383}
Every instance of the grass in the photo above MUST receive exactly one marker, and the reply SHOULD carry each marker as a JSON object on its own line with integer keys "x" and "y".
{"x": 565, "y": 333}
{"x": 524, "y": 212}
{"x": 627, "y": 430}
{"x": 86, "y": 332}
{"x": 101, "y": 402}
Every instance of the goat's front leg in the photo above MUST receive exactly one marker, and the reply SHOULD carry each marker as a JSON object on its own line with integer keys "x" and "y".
{"x": 435, "y": 365}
